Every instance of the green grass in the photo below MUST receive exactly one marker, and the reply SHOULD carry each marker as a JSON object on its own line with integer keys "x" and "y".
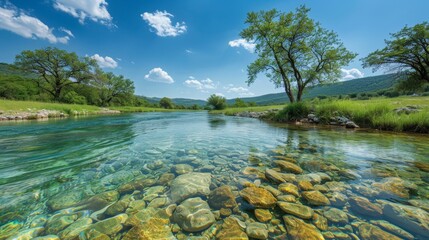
{"x": 232, "y": 111}
{"x": 11, "y": 106}
{"x": 377, "y": 113}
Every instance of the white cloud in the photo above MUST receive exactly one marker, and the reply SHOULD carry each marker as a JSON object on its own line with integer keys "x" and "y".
{"x": 241, "y": 91}
{"x": 249, "y": 46}
{"x": 161, "y": 22}
{"x": 349, "y": 74}
{"x": 68, "y": 32}
{"x": 202, "y": 85}
{"x": 96, "y": 10}
{"x": 159, "y": 75}
{"x": 16, "y": 21}
{"x": 219, "y": 94}
{"x": 105, "y": 62}
{"x": 189, "y": 51}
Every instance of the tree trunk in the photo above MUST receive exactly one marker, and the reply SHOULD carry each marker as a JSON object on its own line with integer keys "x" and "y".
{"x": 289, "y": 94}
{"x": 299, "y": 94}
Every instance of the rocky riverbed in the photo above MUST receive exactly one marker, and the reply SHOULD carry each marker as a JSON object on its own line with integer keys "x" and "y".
{"x": 33, "y": 114}
{"x": 267, "y": 195}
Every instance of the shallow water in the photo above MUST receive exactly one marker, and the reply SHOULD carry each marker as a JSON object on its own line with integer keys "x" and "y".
{"x": 41, "y": 161}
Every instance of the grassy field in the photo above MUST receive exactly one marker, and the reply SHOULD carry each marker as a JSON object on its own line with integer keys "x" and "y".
{"x": 377, "y": 113}
{"x": 232, "y": 111}
{"x": 9, "y": 106}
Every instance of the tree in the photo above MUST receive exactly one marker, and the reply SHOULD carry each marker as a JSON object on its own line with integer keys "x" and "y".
{"x": 166, "y": 103}
{"x": 407, "y": 50}
{"x": 55, "y": 69}
{"x": 239, "y": 103}
{"x": 293, "y": 50}
{"x": 218, "y": 102}
{"x": 113, "y": 88}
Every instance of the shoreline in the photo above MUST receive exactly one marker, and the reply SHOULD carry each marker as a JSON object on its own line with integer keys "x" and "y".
{"x": 46, "y": 114}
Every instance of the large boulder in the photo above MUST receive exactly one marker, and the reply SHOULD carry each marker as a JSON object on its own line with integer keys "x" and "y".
{"x": 370, "y": 232}
{"x": 190, "y": 185}
{"x": 363, "y": 206}
{"x": 194, "y": 215}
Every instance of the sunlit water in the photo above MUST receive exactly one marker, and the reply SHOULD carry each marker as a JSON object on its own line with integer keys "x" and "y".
{"x": 39, "y": 160}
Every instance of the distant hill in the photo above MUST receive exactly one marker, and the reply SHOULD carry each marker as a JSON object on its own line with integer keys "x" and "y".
{"x": 360, "y": 85}
{"x": 179, "y": 101}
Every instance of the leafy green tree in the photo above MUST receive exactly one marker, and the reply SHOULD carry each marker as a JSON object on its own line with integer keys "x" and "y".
{"x": 113, "y": 88}
{"x": 55, "y": 69}
{"x": 293, "y": 50}
{"x": 240, "y": 103}
{"x": 407, "y": 50}
{"x": 166, "y": 103}
{"x": 217, "y": 102}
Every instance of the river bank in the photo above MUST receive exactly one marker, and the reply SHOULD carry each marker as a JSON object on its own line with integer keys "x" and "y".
{"x": 29, "y": 110}
{"x": 402, "y": 114}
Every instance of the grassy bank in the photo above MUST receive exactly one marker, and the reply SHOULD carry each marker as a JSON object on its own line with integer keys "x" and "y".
{"x": 11, "y": 107}
{"x": 377, "y": 113}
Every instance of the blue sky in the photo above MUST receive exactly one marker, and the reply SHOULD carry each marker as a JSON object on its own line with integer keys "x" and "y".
{"x": 188, "y": 48}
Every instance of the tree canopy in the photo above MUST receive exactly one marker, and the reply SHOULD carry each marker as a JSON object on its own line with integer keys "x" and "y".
{"x": 112, "y": 87}
{"x": 293, "y": 50}
{"x": 166, "y": 103}
{"x": 217, "y": 102}
{"x": 406, "y": 51}
{"x": 55, "y": 69}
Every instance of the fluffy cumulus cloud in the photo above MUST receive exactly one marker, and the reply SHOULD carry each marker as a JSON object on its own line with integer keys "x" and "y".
{"x": 105, "y": 62}
{"x": 16, "y": 21}
{"x": 349, "y": 74}
{"x": 96, "y": 10}
{"x": 202, "y": 85}
{"x": 159, "y": 75}
{"x": 249, "y": 46}
{"x": 241, "y": 91}
{"x": 161, "y": 23}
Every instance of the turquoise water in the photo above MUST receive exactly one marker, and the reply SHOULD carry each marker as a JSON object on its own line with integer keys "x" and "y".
{"x": 42, "y": 161}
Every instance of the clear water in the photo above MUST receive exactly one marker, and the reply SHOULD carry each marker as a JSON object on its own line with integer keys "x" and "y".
{"x": 41, "y": 159}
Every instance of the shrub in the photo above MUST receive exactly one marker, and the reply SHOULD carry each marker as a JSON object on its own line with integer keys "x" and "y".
{"x": 353, "y": 95}
{"x": 217, "y": 102}
{"x": 74, "y": 98}
{"x": 293, "y": 112}
{"x": 166, "y": 103}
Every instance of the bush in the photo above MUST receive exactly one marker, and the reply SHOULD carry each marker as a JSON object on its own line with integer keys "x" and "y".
{"x": 166, "y": 103}
{"x": 293, "y": 112}
{"x": 353, "y": 95}
{"x": 217, "y": 102}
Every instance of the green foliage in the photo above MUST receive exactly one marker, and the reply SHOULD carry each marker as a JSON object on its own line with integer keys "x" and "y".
{"x": 217, "y": 102}
{"x": 55, "y": 69}
{"x": 74, "y": 98}
{"x": 166, "y": 103}
{"x": 239, "y": 103}
{"x": 294, "y": 50}
{"x": 292, "y": 112}
{"x": 407, "y": 50}
{"x": 112, "y": 88}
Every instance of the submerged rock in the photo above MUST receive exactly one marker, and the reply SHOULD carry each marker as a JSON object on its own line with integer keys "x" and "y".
{"x": 190, "y": 185}
{"x": 289, "y": 188}
{"x": 153, "y": 229}
{"x": 335, "y": 215}
{"x": 299, "y": 230}
{"x": 263, "y": 215}
{"x": 231, "y": 230}
{"x": 395, "y": 186}
{"x": 258, "y": 197}
{"x": 111, "y": 226}
{"x": 316, "y": 198}
{"x": 297, "y": 210}
{"x": 182, "y": 168}
{"x": 194, "y": 215}
{"x": 288, "y": 166}
{"x": 257, "y": 230}
{"x": 222, "y": 197}
{"x": 370, "y": 232}
{"x": 392, "y": 229}
{"x": 361, "y": 205}
{"x": 278, "y": 177}
{"x": 411, "y": 218}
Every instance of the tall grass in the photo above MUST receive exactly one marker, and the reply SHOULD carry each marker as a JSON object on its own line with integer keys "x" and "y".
{"x": 375, "y": 113}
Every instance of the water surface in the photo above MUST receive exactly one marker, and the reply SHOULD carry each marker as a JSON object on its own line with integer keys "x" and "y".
{"x": 40, "y": 161}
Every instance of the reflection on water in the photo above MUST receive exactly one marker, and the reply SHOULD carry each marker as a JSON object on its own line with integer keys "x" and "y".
{"x": 62, "y": 177}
